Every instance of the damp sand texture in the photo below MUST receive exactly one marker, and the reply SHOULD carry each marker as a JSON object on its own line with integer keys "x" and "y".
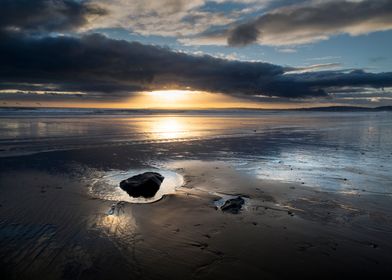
{"x": 317, "y": 199}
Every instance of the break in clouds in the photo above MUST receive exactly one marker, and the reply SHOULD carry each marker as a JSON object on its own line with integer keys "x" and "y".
{"x": 45, "y": 47}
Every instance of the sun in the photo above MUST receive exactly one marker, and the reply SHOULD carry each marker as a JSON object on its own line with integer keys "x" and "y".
{"x": 170, "y": 95}
{"x": 164, "y": 99}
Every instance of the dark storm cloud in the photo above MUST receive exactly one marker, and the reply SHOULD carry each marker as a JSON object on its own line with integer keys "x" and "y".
{"x": 105, "y": 69}
{"x": 96, "y": 63}
{"x": 46, "y": 15}
{"x": 309, "y": 23}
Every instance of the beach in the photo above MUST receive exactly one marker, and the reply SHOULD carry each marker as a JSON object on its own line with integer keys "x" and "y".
{"x": 317, "y": 190}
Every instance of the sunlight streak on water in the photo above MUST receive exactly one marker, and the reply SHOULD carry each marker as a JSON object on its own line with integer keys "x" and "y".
{"x": 117, "y": 225}
{"x": 169, "y": 128}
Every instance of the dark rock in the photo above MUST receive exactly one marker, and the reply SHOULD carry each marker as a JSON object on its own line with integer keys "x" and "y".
{"x": 233, "y": 205}
{"x": 145, "y": 185}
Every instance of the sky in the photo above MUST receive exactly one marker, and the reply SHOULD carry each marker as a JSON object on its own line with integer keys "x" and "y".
{"x": 195, "y": 53}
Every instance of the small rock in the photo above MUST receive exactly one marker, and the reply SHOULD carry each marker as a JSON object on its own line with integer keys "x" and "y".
{"x": 233, "y": 205}
{"x": 146, "y": 184}
{"x": 116, "y": 208}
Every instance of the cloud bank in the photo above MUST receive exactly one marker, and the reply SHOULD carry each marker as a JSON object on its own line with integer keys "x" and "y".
{"x": 96, "y": 64}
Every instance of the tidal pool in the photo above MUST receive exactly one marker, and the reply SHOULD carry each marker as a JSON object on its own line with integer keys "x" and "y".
{"x": 107, "y": 186}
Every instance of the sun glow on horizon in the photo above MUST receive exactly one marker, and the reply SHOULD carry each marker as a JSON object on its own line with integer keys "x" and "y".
{"x": 176, "y": 99}
{"x": 167, "y": 98}
{"x": 185, "y": 99}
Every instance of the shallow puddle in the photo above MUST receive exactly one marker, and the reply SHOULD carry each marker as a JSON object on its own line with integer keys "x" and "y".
{"x": 108, "y": 185}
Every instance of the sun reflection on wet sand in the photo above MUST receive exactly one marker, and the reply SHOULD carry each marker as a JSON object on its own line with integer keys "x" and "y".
{"x": 192, "y": 127}
{"x": 169, "y": 128}
{"x": 120, "y": 224}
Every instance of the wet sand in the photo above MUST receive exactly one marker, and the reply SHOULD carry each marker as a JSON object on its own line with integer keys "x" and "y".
{"x": 52, "y": 227}
{"x": 317, "y": 190}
